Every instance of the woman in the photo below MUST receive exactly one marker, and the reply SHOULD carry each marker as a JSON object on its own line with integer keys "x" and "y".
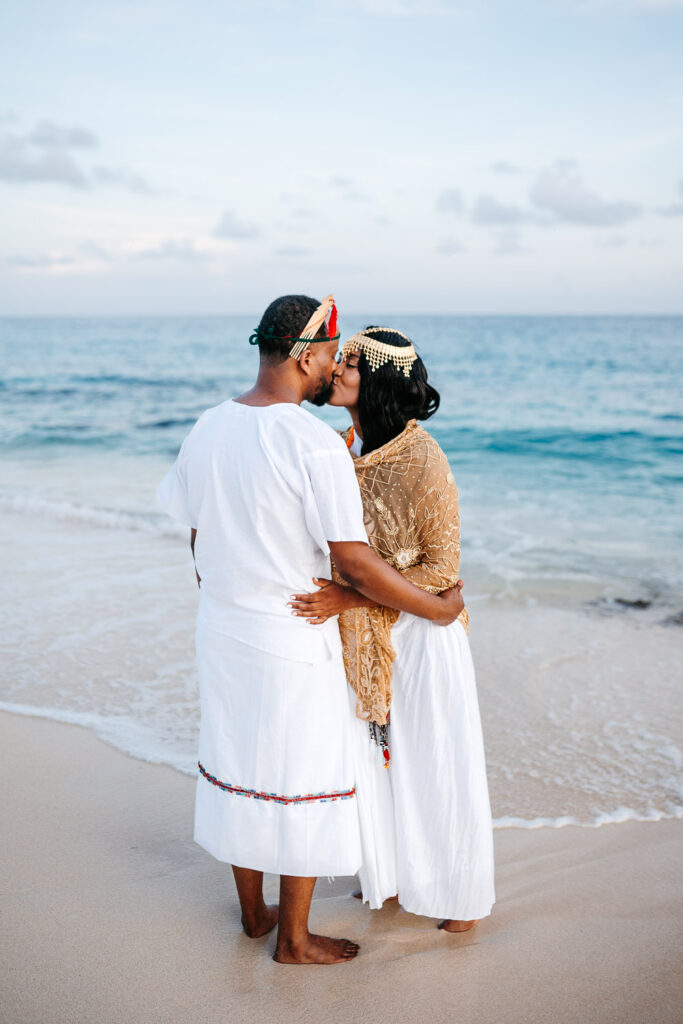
{"x": 425, "y": 823}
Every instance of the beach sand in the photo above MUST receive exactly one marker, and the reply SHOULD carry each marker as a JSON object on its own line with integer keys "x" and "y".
{"x": 110, "y": 913}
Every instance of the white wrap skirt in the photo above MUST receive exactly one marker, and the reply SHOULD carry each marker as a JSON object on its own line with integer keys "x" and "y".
{"x": 426, "y": 828}
{"x": 276, "y": 788}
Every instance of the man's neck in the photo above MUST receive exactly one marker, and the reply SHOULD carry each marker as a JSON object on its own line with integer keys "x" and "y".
{"x": 273, "y": 386}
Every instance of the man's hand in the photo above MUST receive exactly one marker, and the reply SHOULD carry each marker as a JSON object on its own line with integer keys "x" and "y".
{"x": 453, "y": 603}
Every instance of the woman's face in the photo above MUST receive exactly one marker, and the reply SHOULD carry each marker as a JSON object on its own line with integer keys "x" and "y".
{"x": 346, "y": 385}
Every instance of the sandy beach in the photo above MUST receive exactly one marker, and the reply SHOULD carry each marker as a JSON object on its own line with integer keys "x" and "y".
{"x": 110, "y": 913}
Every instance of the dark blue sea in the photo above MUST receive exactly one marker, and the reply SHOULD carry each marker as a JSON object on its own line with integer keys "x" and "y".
{"x": 565, "y": 434}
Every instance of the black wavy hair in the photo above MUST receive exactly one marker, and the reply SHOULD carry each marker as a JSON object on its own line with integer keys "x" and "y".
{"x": 388, "y": 399}
{"x": 285, "y": 318}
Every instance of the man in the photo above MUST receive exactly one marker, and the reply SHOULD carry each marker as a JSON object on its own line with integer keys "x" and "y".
{"x": 269, "y": 493}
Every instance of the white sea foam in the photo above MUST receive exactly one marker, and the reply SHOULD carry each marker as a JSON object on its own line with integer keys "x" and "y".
{"x": 110, "y": 519}
{"x": 125, "y": 733}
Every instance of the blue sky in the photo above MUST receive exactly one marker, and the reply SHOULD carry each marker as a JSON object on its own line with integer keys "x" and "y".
{"x": 410, "y": 157}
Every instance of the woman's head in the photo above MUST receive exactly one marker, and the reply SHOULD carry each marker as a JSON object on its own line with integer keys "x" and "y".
{"x": 388, "y": 388}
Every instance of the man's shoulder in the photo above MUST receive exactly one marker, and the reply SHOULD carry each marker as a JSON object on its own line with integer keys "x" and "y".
{"x": 311, "y": 433}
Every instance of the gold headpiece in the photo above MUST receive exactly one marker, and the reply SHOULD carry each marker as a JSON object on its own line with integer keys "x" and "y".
{"x": 378, "y": 353}
{"x": 326, "y": 311}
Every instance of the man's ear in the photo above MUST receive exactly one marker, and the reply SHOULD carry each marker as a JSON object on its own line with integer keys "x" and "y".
{"x": 305, "y": 361}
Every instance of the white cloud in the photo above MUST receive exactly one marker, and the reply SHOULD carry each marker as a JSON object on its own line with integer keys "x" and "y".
{"x": 488, "y": 210}
{"x": 22, "y": 161}
{"x": 40, "y": 261}
{"x": 449, "y": 247}
{"x": 450, "y": 201}
{"x": 174, "y": 249}
{"x": 120, "y": 176}
{"x": 231, "y": 227}
{"x": 560, "y": 190}
{"x": 508, "y": 243}
{"x": 44, "y": 155}
{"x": 503, "y": 167}
{"x": 55, "y": 136}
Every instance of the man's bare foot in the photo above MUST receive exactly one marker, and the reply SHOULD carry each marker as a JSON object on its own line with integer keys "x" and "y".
{"x": 456, "y": 926}
{"x": 261, "y": 923}
{"x": 316, "y": 949}
{"x": 358, "y": 895}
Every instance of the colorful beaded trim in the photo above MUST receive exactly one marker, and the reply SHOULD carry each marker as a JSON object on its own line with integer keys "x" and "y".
{"x": 274, "y": 797}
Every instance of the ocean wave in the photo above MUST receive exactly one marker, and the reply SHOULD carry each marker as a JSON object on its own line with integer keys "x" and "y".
{"x": 130, "y": 737}
{"x": 158, "y": 524}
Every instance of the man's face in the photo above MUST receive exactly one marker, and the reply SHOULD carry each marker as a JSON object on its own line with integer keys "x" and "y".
{"x": 322, "y": 366}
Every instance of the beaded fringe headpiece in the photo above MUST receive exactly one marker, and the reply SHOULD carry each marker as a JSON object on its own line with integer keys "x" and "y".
{"x": 378, "y": 353}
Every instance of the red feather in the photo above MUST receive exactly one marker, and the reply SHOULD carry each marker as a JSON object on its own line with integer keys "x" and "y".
{"x": 332, "y": 323}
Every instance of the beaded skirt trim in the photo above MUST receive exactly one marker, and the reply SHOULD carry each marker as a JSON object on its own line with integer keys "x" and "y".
{"x": 276, "y": 798}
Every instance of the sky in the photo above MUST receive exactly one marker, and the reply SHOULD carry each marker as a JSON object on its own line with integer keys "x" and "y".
{"x": 410, "y": 157}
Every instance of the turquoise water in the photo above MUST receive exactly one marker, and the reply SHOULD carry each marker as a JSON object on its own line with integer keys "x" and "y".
{"x": 565, "y": 433}
{"x": 565, "y": 437}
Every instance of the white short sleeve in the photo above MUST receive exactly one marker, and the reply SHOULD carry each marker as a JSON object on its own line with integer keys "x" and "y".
{"x": 332, "y": 504}
{"x": 172, "y": 495}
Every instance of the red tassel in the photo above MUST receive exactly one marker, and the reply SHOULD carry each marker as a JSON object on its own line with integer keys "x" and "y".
{"x": 386, "y": 753}
{"x": 332, "y": 323}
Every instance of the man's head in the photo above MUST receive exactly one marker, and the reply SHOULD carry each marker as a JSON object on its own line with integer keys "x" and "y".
{"x": 280, "y": 326}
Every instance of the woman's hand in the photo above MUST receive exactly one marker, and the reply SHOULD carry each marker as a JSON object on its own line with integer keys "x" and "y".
{"x": 330, "y": 599}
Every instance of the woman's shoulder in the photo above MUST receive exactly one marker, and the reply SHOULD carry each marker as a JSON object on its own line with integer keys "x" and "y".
{"x": 435, "y": 458}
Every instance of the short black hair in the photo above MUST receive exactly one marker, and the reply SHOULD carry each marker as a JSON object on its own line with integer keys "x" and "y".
{"x": 388, "y": 399}
{"x": 284, "y": 319}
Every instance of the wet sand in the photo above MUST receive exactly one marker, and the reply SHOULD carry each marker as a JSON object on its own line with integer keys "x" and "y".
{"x": 110, "y": 913}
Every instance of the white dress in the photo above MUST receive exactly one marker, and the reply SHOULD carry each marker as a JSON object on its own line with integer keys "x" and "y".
{"x": 426, "y": 830}
{"x": 266, "y": 489}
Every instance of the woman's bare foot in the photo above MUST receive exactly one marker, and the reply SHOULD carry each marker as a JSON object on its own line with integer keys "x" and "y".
{"x": 316, "y": 949}
{"x": 358, "y": 895}
{"x": 456, "y": 926}
{"x": 261, "y": 923}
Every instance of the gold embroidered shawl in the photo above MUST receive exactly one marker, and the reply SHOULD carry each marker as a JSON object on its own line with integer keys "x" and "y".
{"x": 410, "y": 505}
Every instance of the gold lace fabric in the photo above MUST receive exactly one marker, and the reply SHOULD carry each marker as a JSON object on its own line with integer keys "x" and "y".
{"x": 412, "y": 518}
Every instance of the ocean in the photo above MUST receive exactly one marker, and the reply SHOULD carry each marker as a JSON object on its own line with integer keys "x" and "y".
{"x": 565, "y": 435}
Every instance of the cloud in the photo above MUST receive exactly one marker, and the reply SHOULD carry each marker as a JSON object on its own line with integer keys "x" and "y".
{"x": 92, "y": 251}
{"x": 120, "y": 176}
{"x": 450, "y": 201}
{"x": 560, "y": 190}
{"x": 55, "y": 136}
{"x": 39, "y": 261}
{"x": 508, "y": 243}
{"x": 350, "y": 193}
{"x": 290, "y": 251}
{"x": 674, "y": 209}
{"x": 449, "y": 247}
{"x": 231, "y": 227}
{"x": 611, "y": 241}
{"x": 503, "y": 167}
{"x": 174, "y": 249}
{"x": 488, "y": 210}
{"x": 44, "y": 154}
{"x": 22, "y": 161}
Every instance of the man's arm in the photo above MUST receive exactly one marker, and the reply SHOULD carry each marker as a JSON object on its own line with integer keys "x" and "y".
{"x": 193, "y": 537}
{"x": 358, "y": 564}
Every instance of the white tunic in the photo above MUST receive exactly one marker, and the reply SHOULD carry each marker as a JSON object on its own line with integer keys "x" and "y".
{"x": 267, "y": 488}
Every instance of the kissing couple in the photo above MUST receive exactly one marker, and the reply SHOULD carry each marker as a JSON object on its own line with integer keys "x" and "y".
{"x": 340, "y": 730}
